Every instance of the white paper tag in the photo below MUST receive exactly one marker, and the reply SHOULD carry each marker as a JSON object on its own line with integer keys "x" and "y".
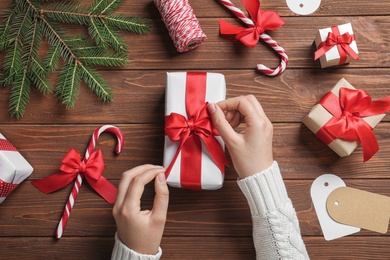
{"x": 303, "y": 7}
{"x": 320, "y": 190}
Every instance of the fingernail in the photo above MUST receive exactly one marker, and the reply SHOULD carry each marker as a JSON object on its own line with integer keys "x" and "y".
{"x": 161, "y": 177}
{"x": 211, "y": 108}
{"x": 158, "y": 166}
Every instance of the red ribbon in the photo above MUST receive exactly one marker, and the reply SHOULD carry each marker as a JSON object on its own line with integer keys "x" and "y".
{"x": 347, "y": 122}
{"x": 191, "y": 131}
{"x": 6, "y": 188}
{"x": 341, "y": 41}
{"x": 263, "y": 20}
{"x": 90, "y": 169}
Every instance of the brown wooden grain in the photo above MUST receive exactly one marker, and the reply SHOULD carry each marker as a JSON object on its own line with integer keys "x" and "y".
{"x": 207, "y": 224}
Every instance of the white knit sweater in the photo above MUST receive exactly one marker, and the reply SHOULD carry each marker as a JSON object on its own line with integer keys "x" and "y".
{"x": 276, "y": 233}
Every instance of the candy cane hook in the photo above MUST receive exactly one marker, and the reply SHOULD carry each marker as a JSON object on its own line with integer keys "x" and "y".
{"x": 79, "y": 180}
{"x": 265, "y": 37}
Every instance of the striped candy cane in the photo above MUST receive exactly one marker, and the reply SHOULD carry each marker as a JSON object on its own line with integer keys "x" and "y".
{"x": 79, "y": 180}
{"x": 265, "y": 37}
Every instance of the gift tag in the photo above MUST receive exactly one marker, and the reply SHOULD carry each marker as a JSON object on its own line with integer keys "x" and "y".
{"x": 320, "y": 190}
{"x": 303, "y": 7}
{"x": 359, "y": 208}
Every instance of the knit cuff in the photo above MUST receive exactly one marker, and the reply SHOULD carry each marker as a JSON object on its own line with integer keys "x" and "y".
{"x": 121, "y": 251}
{"x": 265, "y": 190}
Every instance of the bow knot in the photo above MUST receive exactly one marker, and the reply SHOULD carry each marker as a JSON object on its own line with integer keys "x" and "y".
{"x": 347, "y": 122}
{"x": 82, "y": 167}
{"x": 262, "y": 21}
{"x": 334, "y": 39}
{"x": 177, "y": 127}
{"x": 92, "y": 168}
{"x": 341, "y": 41}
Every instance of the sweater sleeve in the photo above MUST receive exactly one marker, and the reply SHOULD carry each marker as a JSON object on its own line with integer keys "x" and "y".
{"x": 276, "y": 233}
{"x": 122, "y": 252}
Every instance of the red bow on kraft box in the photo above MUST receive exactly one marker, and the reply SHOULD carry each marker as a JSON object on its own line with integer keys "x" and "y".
{"x": 14, "y": 169}
{"x": 336, "y": 45}
{"x": 345, "y": 117}
{"x": 193, "y": 154}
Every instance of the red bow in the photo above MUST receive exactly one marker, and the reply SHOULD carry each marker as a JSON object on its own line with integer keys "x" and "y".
{"x": 341, "y": 41}
{"x": 263, "y": 20}
{"x": 91, "y": 169}
{"x": 178, "y": 128}
{"x": 347, "y": 122}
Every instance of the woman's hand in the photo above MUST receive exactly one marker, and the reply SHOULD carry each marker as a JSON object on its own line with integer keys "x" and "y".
{"x": 251, "y": 149}
{"x": 139, "y": 230}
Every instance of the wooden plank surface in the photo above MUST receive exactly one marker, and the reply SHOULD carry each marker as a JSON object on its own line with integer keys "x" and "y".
{"x": 207, "y": 224}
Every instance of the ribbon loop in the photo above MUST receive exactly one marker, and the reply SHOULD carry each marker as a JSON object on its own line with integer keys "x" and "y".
{"x": 347, "y": 122}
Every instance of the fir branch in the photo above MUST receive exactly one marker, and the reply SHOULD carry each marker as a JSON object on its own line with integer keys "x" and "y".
{"x": 5, "y": 26}
{"x": 104, "y": 6}
{"x": 95, "y": 31}
{"x": 108, "y": 60}
{"x": 70, "y": 85}
{"x": 52, "y": 57}
{"x": 26, "y": 21}
{"x": 20, "y": 93}
{"x": 38, "y": 76}
{"x": 13, "y": 57}
{"x": 133, "y": 24}
{"x": 67, "y": 13}
{"x": 96, "y": 83}
{"x": 114, "y": 39}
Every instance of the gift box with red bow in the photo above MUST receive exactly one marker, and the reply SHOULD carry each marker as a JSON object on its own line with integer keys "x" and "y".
{"x": 13, "y": 168}
{"x": 193, "y": 152}
{"x": 336, "y": 45}
{"x": 345, "y": 117}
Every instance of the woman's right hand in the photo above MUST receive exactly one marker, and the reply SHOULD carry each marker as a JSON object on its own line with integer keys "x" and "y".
{"x": 250, "y": 149}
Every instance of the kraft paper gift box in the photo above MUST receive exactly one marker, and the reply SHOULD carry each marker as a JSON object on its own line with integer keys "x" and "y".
{"x": 13, "y": 168}
{"x": 205, "y": 174}
{"x": 340, "y": 48}
{"x": 319, "y": 116}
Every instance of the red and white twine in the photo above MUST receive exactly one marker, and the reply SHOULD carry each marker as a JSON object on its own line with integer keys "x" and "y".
{"x": 265, "y": 37}
{"x": 183, "y": 27}
{"x": 79, "y": 180}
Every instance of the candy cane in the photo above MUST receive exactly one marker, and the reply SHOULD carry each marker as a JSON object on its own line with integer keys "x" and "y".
{"x": 79, "y": 179}
{"x": 265, "y": 37}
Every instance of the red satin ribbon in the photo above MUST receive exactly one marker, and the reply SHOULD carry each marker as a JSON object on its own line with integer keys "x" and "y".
{"x": 341, "y": 41}
{"x": 90, "y": 169}
{"x": 347, "y": 122}
{"x": 263, "y": 20}
{"x": 191, "y": 131}
{"x": 6, "y": 188}
{"x": 6, "y": 145}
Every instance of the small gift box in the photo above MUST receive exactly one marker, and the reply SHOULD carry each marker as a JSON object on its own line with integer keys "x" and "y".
{"x": 193, "y": 153}
{"x": 345, "y": 117}
{"x": 13, "y": 168}
{"x": 336, "y": 45}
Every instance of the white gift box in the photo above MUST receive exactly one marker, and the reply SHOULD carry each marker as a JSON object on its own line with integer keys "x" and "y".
{"x": 211, "y": 176}
{"x": 13, "y": 168}
{"x": 332, "y": 56}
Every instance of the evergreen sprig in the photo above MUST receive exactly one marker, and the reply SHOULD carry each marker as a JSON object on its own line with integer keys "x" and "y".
{"x": 26, "y": 22}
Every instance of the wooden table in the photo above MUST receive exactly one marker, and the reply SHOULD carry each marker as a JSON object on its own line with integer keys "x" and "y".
{"x": 207, "y": 224}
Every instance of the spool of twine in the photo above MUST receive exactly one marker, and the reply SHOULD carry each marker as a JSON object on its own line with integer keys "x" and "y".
{"x": 183, "y": 27}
